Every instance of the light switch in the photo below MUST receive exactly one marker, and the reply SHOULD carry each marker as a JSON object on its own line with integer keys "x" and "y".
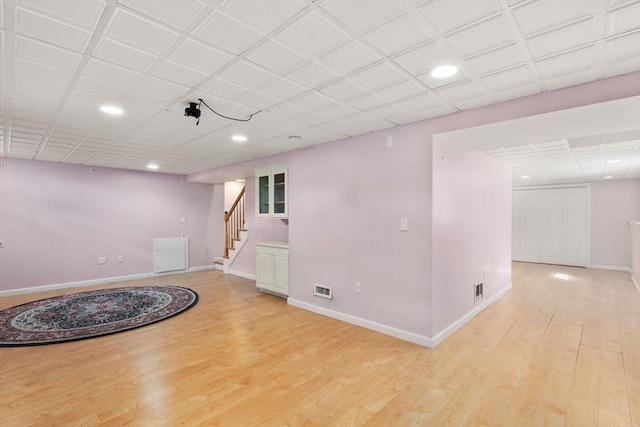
{"x": 183, "y": 219}
{"x": 389, "y": 141}
{"x": 404, "y": 224}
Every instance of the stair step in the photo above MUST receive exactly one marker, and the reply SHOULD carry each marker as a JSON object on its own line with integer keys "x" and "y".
{"x": 219, "y": 262}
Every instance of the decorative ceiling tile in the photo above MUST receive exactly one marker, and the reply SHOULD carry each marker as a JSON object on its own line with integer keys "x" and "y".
{"x": 570, "y": 79}
{"x": 283, "y": 89}
{"x": 312, "y": 101}
{"x": 180, "y": 74}
{"x": 174, "y": 13}
{"x": 123, "y": 55}
{"x": 349, "y": 58}
{"x": 623, "y": 66}
{"x": 520, "y": 91}
{"x": 41, "y": 72}
{"x": 366, "y": 102}
{"x": 220, "y": 30}
{"x": 417, "y": 103}
{"x": 224, "y": 89}
{"x": 560, "y": 64}
{"x": 624, "y": 19}
{"x": 461, "y": 91}
{"x": 276, "y": 57}
{"x": 563, "y": 39}
{"x": 45, "y": 54}
{"x": 402, "y": 90}
{"x": 51, "y": 31}
{"x": 397, "y": 36}
{"x": 344, "y": 89}
{"x": 513, "y": 77}
{"x": 313, "y": 35}
{"x": 358, "y": 18}
{"x": 449, "y": 15}
{"x": 482, "y": 37}
{"x": 83, "y": 14}
{"x": 498, "y": 59}
{"x": 153, "y": 85}
{"x": 423, "y": 59}
{"x": 103, "y": 88}
{"x": 538, "y": 16}
{"x": 313, "y": 75}
{"x": 140, "y": 33}
{"x": 265, "y": 15}
{"x": 619, "y": 47}
{"x": 119, "y": 76}
{"x": 378, "y": 76}
{"x": 201, "y": 57}
{"x": 247, "y": 74}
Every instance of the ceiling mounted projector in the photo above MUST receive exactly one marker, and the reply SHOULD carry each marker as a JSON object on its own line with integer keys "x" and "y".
{"x": 192, "y": 110}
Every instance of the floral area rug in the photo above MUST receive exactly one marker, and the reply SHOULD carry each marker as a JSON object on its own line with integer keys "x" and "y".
{"x": 91, "y": 314}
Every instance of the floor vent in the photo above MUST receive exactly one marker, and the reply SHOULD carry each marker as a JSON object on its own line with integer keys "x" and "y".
{"x": 323, "y": 291}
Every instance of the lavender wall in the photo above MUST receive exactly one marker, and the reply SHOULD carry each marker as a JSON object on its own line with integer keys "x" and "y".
{"x": 471, "y": 231}
{"x": 56, "y": 219}
{"x": 346, "y": 201}
{"x": 613, "y": 204}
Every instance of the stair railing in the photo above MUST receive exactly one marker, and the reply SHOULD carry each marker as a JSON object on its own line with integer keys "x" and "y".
{"x": 233, "y": 223}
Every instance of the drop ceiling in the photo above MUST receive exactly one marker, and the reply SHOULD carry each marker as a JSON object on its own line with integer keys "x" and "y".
{"x": 322, "y": 70}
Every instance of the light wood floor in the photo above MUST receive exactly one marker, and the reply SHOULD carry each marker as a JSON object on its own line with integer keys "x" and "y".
{"x": 551, "y": 352}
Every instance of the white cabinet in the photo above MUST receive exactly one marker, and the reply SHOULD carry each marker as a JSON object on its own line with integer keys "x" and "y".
{"x": 272, "y": 267}
{"x": 271, "y": 191}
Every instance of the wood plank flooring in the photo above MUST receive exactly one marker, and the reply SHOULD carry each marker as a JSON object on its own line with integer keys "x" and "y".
{"x": 551, "y": 352}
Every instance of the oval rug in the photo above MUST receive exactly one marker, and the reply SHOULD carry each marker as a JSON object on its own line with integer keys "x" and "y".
{"x": 91, "y": 314}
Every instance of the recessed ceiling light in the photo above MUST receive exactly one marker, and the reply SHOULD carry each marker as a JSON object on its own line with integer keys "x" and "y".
{"x": 525, "y": 177}
{"x": 110, "y": 109}
{"x": 239, "y": 138}
{"x": 152, "y": 166}
{"x": 614, "y": 161}
{"x": 608, "y": 177}
{"x": 240, "y": 180}
{"x": 444, "y": 71}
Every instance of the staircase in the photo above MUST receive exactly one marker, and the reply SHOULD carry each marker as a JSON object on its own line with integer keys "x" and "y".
{"x": 235, "y": 233}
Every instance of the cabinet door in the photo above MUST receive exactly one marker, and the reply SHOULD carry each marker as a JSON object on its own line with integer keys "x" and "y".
{"x": 265, "y": 273}
{"x": 263, "y": 191}
{"x": 280, "y": 193}
{"x": 281, "y": 272}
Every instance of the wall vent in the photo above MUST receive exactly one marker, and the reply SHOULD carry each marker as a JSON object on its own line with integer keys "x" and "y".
{"x": 478, "y": 291}
{"x": 323, "y": 291}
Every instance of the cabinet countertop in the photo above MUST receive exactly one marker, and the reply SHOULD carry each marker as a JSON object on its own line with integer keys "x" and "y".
{"x": 274, "y": 244}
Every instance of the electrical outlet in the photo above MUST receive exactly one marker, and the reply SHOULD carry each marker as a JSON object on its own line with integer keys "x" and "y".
{"x": 102, "y": 260}
{"x": 120, "y": 258}
{"x": 358, "y": 288}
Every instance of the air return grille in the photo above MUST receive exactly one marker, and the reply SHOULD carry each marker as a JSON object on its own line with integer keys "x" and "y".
{"x": 322, "y": 291}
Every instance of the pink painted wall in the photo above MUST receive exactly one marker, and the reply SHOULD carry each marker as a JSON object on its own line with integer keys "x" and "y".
{"x": 56, "y": 219}
{"x": 346, "y": 201}
{"x": 613, "y": 204}
{"x": 471, "y": 231}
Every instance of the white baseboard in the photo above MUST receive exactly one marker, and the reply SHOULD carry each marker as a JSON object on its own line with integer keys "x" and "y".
{"x": 241, "y": 274}
{"x": 422, "y": 340}
{"x": 610, "y": 267}
{"x": 446, "y": 332}
{"x": 46, "y": 288}
{"x": 358, "y": 321}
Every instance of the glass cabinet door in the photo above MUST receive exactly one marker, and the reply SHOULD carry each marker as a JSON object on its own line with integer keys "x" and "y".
{"x": 279, "y": 192}
{"x": 263, "y": 194}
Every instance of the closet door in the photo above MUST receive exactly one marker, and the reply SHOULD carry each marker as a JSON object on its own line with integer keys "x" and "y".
{"x": 550, "y": 226}
{"x": 525, "y": 244}
{"x": 563, "y": 227}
